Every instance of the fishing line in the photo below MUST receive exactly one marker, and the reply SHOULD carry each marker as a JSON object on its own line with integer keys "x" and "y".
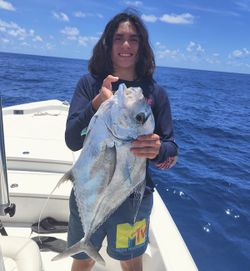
{"x": 137, "y": 200}
{"x": 45, "y": 113}
{"x": 62, "y": 179}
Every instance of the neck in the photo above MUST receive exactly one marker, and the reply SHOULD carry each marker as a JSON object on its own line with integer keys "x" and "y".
{"x": 128, "y": 75}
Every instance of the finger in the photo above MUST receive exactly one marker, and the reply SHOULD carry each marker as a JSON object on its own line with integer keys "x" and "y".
{"x": 146, "y": 153}
{"x": 108, "y": 80}
{"x": 151, "y": 156}
{"x": 148, "y": 137}
{"x": 145, "y": 150}
{"x": 146, "y": 143}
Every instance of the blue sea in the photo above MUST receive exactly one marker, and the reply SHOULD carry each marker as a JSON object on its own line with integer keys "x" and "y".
{"x": 208, "y": 191}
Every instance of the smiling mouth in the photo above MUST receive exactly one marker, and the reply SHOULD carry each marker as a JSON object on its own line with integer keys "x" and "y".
{"x": 125, "y": 55}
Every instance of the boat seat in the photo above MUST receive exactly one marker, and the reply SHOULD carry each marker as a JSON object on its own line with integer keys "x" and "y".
{"x": 20, "y": 254}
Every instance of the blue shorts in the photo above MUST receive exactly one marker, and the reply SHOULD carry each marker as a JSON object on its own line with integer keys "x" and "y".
{"x": 125, "y": 238}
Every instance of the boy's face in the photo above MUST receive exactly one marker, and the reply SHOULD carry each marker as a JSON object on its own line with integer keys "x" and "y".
{"x": 125, "y": 47}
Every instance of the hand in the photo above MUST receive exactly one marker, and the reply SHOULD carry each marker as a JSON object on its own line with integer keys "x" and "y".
{"x": 105, "y": 91}
{"x": 147, "y": 146}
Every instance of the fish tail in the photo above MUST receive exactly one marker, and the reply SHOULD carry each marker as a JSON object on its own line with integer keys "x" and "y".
{"x": 88, "y": 248}
{"x": 91, "y": 251}
{"x": 69, "y": 251}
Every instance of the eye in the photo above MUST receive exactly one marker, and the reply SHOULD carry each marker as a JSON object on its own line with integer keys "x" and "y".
{"x": 117, "y": 38}
{"x": 141, "y": 118}
{"x": 134, "y": 40}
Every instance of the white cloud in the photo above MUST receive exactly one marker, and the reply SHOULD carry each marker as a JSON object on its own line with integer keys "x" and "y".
{"x": 243, "y": 5}
{"x": 3, "y": 40}
{"x": 6, "y": 5}
{"x": 168, "y": 54}
{"x": 216, "y": 55}
{"x": 245, "y": 51}
{"x": 185, "y": 18}
{"x": 61, "y": 16}
{"x": 242, "y": 53}
{"x": 238, "y": 64}
{"x": 49, "y": 46}
{"x": 70, "y": 32}
{"x": 134, "y": 3}
{"x": 149, "y": 18}
{"x": 84, "y": 41}
{"x": 25, "y": 44}
{"x": 207, "y": 9}
{"x": 37, "y": 38}
{"x": 195, "y": 47}
{"x": 6, "y": 25}
{"x": 80, "y": 14}
{"x": 2, "y": 29}
{"x": 159, "y": 45}
{"x": 163, "y": 52}
{"x": 18, "y": 32}
{"x": 32, "y": 32}
{"x": 99, "y": 15}
{"x": 237, "y": 53}
{"x": 213, "y": 59}
{"x": 14, "y": 31}
{"x": 194, "y": 53}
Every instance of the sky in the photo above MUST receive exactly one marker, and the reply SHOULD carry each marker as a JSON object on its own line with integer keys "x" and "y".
{"x": 207, "y": 35}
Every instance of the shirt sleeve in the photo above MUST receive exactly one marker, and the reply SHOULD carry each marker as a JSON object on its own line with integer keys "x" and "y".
{"x": 80, "y": 113}
{"x": 168, "y": 154}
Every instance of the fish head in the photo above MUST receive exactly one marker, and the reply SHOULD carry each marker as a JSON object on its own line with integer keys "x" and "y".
{"x": 131, "y": 114}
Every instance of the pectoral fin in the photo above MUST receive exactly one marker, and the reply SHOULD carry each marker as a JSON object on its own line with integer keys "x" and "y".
{"x": 110, "y": 162}
{"x": 104, "y": 164}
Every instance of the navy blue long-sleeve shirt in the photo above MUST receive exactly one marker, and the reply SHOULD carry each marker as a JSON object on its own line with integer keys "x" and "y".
{"x": 81, "y": 111}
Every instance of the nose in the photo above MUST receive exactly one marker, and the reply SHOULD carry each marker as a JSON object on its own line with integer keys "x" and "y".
{"x": 141, "y": 118}
{"x": 126, "y": 44}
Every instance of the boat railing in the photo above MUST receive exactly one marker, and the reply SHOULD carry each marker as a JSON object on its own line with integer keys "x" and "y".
{"x": 5, "y": 206}
{"x": 55, "y": 107}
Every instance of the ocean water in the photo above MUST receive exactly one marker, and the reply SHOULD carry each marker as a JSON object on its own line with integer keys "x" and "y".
{"x": 208, "y": 191}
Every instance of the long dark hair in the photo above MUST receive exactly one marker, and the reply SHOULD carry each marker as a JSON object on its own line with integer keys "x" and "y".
{"x": 100, "y": 63}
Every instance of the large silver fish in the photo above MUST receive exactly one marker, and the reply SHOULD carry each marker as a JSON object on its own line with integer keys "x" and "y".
{"x": 107, "y": 172}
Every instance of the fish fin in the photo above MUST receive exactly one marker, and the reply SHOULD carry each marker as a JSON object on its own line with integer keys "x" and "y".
{"x": 121, "y": 92}
{"x": 91, "y": 251}
{"x": 67, "y": 176}
{"x": 107, "y": 160}
{"x": 110, "y": 156}
{"x": 88, "y": 248}
{"x": 91, "y": 124}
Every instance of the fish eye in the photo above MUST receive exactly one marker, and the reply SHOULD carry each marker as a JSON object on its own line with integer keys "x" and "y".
{"x": 141, "y": 118}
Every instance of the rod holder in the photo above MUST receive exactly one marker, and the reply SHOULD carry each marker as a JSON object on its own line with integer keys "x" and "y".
{"x": 5, "y": 206}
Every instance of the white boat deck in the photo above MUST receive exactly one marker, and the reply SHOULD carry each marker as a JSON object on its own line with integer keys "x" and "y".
{"x": 36, "y": 158}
